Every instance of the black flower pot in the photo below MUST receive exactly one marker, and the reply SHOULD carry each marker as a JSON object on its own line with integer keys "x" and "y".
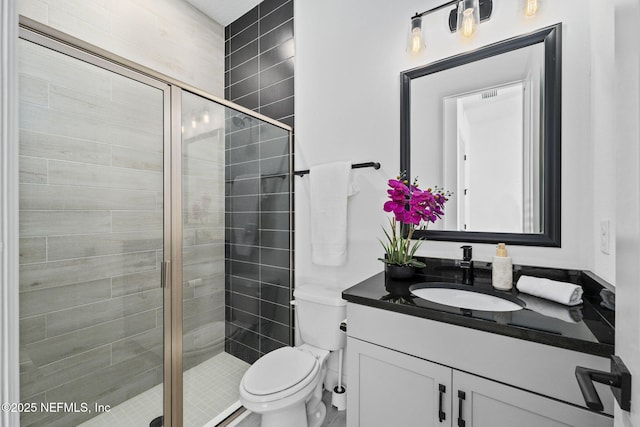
{"x": 399, "y": 272}
{"x": 397, "y": 288}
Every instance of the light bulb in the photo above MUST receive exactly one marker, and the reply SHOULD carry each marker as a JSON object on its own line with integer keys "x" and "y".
{"x": 531, "y": 7}
{"x": 205, "y": 117}
{"x": 182, "y": 128}
{"x": 468, "y": 23}
{"x": 468, "y": 17}
{"x": 193, "y": 123}
{"x": 415, "y": 42}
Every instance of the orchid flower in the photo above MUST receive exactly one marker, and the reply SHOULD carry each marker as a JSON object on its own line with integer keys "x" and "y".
{"x": 411, "y": 206}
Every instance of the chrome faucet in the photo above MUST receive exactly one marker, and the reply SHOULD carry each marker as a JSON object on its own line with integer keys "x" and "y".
{"x": 467, "y": 265}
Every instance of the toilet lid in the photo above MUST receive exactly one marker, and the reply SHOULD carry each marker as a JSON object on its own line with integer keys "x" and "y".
{"x": 279, "y": 370}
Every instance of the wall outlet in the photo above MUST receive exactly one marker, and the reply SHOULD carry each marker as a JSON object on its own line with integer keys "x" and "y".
{"x": 605, "y": 237}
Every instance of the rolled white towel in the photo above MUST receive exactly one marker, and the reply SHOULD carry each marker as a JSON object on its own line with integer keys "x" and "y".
{"x": 562, "y": 292}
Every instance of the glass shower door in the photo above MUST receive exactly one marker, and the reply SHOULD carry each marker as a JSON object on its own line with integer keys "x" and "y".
{"x": 92, "y": 236}
{"x": 211, "y": 376}
{"x": 119, "y": 174}
{"x": 236, "y": 208}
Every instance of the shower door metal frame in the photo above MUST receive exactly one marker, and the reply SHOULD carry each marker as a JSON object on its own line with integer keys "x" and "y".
{"x": 171, "y": 277}
{"x": 173, "y": 352}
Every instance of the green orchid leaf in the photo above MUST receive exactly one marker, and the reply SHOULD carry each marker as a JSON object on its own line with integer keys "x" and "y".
{"x": 414, "y": 262}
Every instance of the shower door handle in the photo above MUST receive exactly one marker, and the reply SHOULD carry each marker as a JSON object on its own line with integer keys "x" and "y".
{"x": 165, "y": 271}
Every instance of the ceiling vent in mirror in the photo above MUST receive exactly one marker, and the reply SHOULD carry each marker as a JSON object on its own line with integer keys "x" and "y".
{"x": 490, "y": 94}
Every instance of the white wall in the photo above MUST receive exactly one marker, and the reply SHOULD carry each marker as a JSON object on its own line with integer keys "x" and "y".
{"x": 169, "y": 36}
{"x": 348, "y": 59}
{"x": 9, "y": 335}
{"x": 626, "y": 144}
{"x": 602, "y": 130}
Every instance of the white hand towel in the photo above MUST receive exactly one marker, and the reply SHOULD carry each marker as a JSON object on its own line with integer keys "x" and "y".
{"x": 562, "y": 292}
{"x": 330, "y": 187}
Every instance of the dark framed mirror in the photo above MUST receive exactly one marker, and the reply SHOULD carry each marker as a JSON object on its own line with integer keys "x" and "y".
{"x": 486, "y": 125}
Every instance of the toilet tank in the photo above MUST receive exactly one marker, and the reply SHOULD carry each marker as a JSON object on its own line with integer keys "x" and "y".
{"x": 319, "y": 312}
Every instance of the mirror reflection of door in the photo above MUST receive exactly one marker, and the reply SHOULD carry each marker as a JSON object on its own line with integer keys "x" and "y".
{"x": 492, "y": 148}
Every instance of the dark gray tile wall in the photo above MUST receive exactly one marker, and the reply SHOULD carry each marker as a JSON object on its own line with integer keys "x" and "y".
{"x": 259, "y": 73}
{"x": 259, "y": 53}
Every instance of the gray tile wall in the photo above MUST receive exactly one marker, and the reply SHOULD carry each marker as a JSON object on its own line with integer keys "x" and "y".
{"x": 259, "y": 51}
{"x": 91, "y": 235}
{"x": 168, "y": 36}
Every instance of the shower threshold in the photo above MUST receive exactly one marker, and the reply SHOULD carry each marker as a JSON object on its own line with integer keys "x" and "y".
{"x": 210, "y": 396}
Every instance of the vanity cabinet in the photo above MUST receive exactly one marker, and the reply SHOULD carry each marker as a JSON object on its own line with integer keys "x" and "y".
{"x": 408, "y": 371}
{"x": 395, "y": 389}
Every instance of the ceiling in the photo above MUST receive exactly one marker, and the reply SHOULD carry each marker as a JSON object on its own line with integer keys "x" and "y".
{"x": 224, "y": 12}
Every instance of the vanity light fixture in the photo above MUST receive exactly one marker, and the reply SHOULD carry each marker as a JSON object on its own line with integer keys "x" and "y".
{"x": 464, "y": 18}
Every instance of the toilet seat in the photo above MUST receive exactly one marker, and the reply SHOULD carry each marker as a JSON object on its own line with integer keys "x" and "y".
{"x": 279, "y": 374}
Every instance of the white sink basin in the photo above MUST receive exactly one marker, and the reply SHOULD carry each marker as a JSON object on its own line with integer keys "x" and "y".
{"x": 465, "y": 299}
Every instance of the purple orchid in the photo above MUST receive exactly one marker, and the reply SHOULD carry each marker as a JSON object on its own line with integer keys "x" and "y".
{"x": 411, "y": 206}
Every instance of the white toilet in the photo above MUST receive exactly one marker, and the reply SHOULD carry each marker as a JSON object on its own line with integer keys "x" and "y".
{"x": 285, "y": 386}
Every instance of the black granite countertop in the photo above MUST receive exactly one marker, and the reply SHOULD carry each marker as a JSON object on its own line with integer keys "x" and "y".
{"x": 587, "y": 328}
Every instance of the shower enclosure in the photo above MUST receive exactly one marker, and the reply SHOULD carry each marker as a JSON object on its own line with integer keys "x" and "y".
{"x": 140, "y": 222}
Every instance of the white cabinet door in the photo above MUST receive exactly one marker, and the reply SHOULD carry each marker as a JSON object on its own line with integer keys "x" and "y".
{"x": 390, "y": 389}
{"x": 491, "y": 404}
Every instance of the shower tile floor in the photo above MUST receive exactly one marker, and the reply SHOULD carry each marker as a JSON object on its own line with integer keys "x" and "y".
{"x": 209, "y": 389}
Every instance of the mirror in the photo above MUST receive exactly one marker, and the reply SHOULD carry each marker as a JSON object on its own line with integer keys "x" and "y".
{"x": 486, "y": 125}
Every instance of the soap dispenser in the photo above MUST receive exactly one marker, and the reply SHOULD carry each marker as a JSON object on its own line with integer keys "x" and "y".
{"x": 502, "y": 269}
